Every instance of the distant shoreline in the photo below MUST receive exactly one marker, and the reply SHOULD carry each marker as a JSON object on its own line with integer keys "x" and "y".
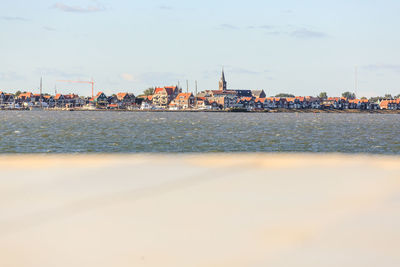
{"x": 279, "y": 110}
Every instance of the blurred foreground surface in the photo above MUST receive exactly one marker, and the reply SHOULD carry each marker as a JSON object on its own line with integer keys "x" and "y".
{"x": 199, "y": 210}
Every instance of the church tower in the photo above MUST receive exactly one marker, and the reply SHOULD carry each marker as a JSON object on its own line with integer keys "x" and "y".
{"x": 222, "y": 82}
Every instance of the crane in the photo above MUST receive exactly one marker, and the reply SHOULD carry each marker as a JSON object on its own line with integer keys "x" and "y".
{"x": 90, "y": 82}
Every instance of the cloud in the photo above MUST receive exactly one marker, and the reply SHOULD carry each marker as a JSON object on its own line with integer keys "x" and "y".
{"x": 290, "y": 30}
{"x": 127, "y": 77}
{"x": 78, "y": 9}
{"x": 165, "y": 7}
{"x": 262, "y": 27}
{"x": 382, "y": 67}
{"x": 229, "y": 26}
{"x": 49, "y": 28}
{"x": 14, "y": 18}
{"x": 304, "y": 33}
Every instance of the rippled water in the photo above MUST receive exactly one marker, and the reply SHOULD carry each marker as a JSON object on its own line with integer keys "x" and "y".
{"x": 132, "y": 132}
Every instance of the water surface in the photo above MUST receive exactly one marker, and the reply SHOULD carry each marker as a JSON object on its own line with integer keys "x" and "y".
{"x": 135, "y": 132}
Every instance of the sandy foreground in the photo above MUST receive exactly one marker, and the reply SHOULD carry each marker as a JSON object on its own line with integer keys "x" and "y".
{"x": 200, "y": 210}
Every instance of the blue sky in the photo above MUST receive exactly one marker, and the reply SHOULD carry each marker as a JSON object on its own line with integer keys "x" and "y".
{"x": 300, "y": 47}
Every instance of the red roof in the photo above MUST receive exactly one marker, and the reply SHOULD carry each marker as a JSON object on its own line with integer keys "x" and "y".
{"x": 71, "y": 96}
{"x": 57, "y": 96}
{"x": 158, "y": 90}
{"x": 384, "y": 103}
{"x": 185, "y": 96}
{"x": 337, "y": 99}
{"x": 168, "y": 89}
{"x": 121, "y": 96}
{"x": 221, "y": 92}
{"x": 25, "y": 95}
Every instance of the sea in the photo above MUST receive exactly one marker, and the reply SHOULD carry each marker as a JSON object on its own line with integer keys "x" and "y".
{"x": 197, "y": 132}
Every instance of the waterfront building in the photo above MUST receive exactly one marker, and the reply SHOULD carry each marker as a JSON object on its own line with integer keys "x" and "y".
{"x": 6, "y": 100}
{"x": 258, "y": 93}
{"x": 183, "y": 101}
{"x": 100, "y": 99}
{"x": 164, "y": 95}
{"x": 202, "y": 103}
{"x": 126, "y": 99}
{"x": 223, "y": 90}
{"x": 245, "y": 103}
{"x": 49, "y": 100}
{"x": 25, "y": 97}
{"x": 393, "y": 104}
{"x": 59, "y": 100}
{"x": 259, "y": 103}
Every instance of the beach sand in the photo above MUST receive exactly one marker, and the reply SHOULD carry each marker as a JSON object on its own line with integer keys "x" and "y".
{"x": 199, "y": 210}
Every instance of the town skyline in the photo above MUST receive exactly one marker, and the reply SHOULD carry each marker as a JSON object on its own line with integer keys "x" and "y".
{"x": 278, "y": 47}
{"x": 221, "y": 85}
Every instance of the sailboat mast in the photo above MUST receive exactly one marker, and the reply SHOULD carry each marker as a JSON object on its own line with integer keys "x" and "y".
{"x": 41, "y": 105}
{"x": 195, "y": 97}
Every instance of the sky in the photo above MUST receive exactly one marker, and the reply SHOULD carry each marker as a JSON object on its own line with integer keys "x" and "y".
{"x": 299, "y": 47}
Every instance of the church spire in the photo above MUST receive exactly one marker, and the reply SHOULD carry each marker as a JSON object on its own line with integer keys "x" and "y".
{"x": 222, "y": 82}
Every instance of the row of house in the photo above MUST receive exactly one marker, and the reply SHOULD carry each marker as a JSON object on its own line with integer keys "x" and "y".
{"x": 172, "y": 98}
{"x": 28, "y": 99}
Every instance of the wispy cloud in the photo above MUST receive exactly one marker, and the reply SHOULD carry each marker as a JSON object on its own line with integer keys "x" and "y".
{"x": 228, "y": 26}
{"x": 382, "y": 67}
{"x": 47, "y": 28}
{"x": 263, "y": 27}
{"x": 165, "y": 7}
{"x": 78, "y": 9}
{"x": 127, "y": 77}
{"x": 304, "y": 33}
{"x": 291, "y": 31}
{"x": 14, "y": 18}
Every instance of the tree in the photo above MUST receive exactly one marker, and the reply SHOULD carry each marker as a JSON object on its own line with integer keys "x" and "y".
{"x": 397, "y": 96}
{"x": 364, "y": 97}
{"x": 18, "y": 93}
{"x": 375, "y": 99}
{"x": 323, "y": 95}
{"x": 284, "y": 95}
{"x": 388, "y": 96}
{"x": 349, "y": 95}
{"x": 149, "y": 91}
